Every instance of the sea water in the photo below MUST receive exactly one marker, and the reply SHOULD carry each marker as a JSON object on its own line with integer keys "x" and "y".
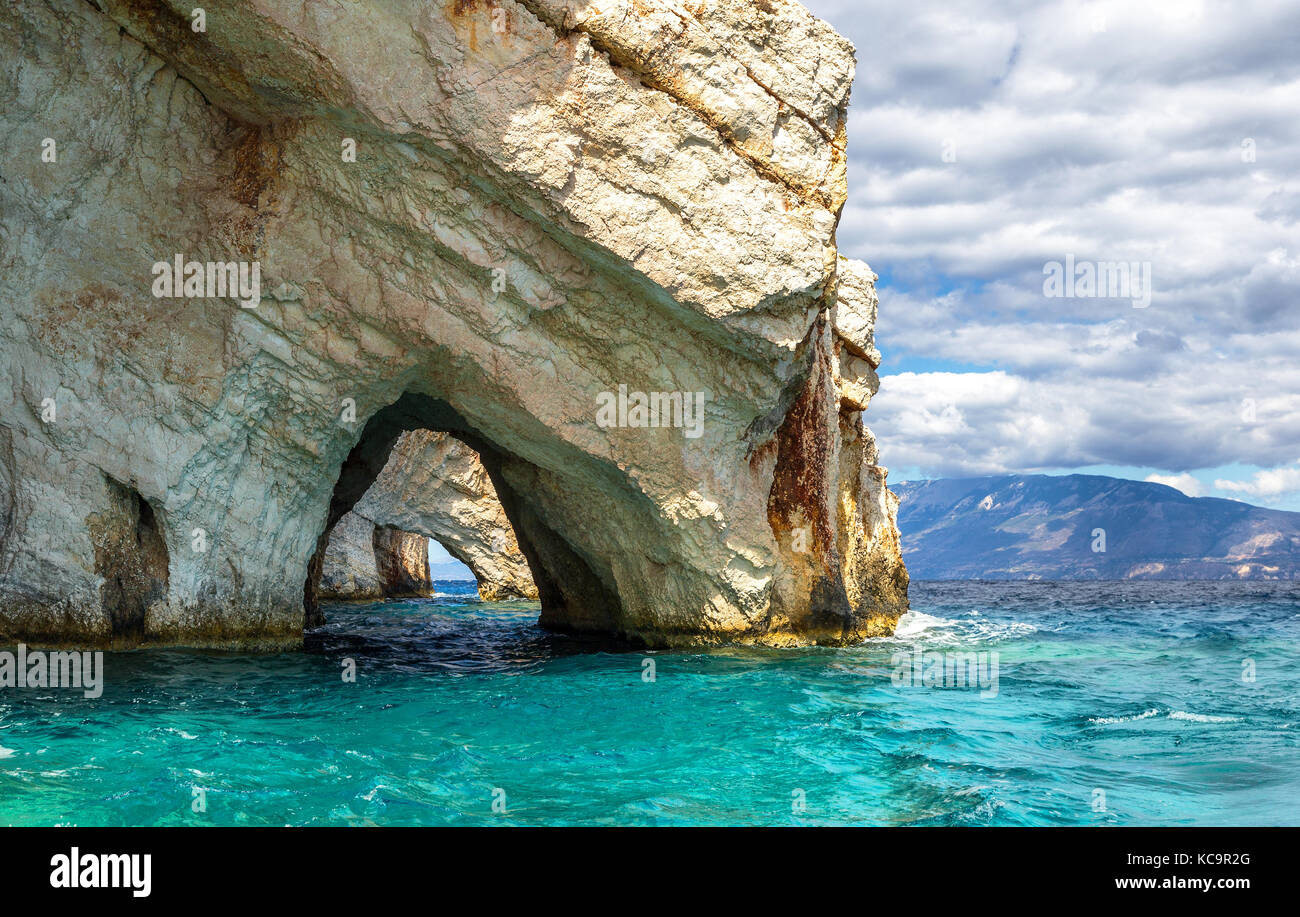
{"x": 1116, "y": 703}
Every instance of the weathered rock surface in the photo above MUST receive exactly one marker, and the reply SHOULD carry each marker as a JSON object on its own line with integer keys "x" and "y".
{"x": 349, "y": 570}
{"x": 435, "y": 486}
{"x": 548, "y": 201}
{"x": 402, "y": 561}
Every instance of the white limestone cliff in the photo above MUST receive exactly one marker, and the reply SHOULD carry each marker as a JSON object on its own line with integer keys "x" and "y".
{"x": 548, "y": 201}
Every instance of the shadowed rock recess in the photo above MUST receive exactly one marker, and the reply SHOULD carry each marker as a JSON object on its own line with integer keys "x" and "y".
{"x": 549, "y": 201}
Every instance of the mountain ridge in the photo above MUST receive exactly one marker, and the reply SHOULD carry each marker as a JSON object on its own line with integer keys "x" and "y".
{"x": 1083, "y": 526}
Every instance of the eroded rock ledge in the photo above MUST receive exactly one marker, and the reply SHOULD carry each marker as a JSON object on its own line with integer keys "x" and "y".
{"x": 548, "y": 201}
{"x": 433, "y": 486}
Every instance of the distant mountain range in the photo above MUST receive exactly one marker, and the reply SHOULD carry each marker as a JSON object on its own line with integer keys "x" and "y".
{"x": 1046, "y": 527}
{"x": 450, "y": 570}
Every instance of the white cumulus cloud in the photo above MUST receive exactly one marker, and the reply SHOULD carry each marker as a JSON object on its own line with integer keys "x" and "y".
{"x": 989, "y": 138}
{"x": 1266, "y": 485}
{"x": 1184, "y": 482}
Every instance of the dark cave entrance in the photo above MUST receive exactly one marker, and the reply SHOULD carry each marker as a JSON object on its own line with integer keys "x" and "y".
{"x": 559, "y": 574}
{"x": 131, "y": 556}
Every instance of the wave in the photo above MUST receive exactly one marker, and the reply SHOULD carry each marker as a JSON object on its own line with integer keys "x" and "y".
{"x": 913, "y": 624}
{"x": 1173, "y": 715}
{"x": 917, "y": 626}
{"x": 1111, "y": 720}
{"x": 1201, "y": 717}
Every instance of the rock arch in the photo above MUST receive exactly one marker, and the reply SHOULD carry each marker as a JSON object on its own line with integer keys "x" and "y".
{"x": 572, "y": 594}
{"x": 436, "y": 487}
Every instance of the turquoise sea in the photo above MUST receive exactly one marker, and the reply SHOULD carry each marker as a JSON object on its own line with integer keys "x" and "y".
{"x": 1178, "y": 703}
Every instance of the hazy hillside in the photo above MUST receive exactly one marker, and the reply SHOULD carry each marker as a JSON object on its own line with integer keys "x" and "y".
{"x": 450, "y": 570}
{"x": 1042, "y": 527}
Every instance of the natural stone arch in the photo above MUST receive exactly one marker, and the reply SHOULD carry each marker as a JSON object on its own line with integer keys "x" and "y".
{"x": 433, "y": 486}
{"x": 605, "y": 209}
{"x": 573, "y": 596}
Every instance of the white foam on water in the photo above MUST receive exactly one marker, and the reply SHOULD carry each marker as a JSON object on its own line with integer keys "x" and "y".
{"x": 973, "y": 627}
{"x": 1201, "y": 717}
{"x": 1111, "y": 720}
{"x": 6, "y": 752}
{"x": 997, "y": 630}
{"x": 1153, "y": 712}
{"x": 915, "y": 623}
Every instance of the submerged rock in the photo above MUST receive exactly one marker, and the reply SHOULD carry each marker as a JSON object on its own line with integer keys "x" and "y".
{"x": 483, "y": 219}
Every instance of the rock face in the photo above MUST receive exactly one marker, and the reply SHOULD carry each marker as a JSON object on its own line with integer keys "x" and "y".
{"x": 511, "y": 222}
{"x": 434, "y": 486}
{"x": 350, "y": 570}
{"x": 402, "y": 561}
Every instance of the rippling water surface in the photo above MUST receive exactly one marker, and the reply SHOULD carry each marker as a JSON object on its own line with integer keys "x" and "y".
{"x": 1135, "y": 690}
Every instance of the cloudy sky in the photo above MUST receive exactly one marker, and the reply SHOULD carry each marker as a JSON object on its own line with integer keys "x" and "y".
{"x": 987, "y": 140}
